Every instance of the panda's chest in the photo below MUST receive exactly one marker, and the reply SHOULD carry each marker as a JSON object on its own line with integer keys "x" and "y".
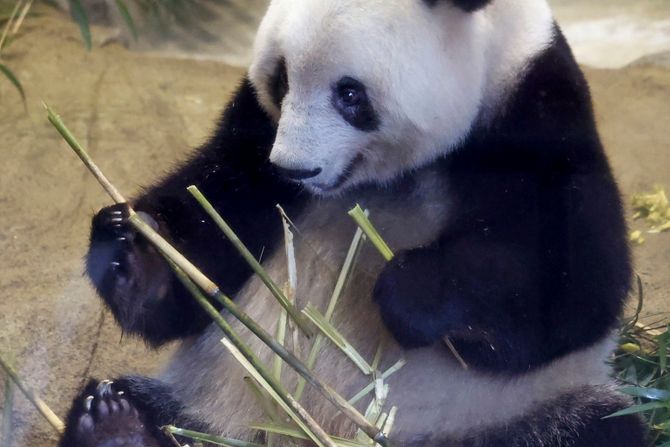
{"x": 407, "y": 217}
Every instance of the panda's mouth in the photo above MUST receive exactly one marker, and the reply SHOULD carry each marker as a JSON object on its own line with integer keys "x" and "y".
{"x": 341, "y": 179}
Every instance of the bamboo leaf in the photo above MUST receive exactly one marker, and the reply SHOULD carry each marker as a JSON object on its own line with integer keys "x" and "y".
{"x": 80, "y": 16}
{"x": 638, "y": 409}
{"x": 663, "y": 350}
{"x": 127, "y": 18}
{"x": 648, "y": 393}
{"x": 13, "y": 79}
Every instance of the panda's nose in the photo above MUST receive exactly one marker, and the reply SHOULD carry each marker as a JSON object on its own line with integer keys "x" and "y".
{"x": 298, "y": 174}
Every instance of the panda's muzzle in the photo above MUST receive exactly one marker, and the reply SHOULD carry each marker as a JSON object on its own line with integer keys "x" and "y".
{"x": 298, "y": 174}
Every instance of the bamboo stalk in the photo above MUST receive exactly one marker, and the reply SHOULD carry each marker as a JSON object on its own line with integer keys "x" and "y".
{"x": 250, "y": 259}
{"x": 455, "y": 353}
{"x": 364, "y": 224}
{"x": 8, "y": 25}
{"x": 81, "y": 153}
{"x": 34, "y": 399}
{"x": 227, "y": 442}
{"x": 22, "y": 16}
{"x": 285, "y": 400}
{"x": 337, "y": 339}
{"x": 212, "y": 290}
{"x": 263, "y": 399}
{"x": 371, "y": 386}
{"x": 297, "y": 434}
{"x": 258, "y": 370}
{"x": 345, "y": 272}
{"x": 7, "y": 411}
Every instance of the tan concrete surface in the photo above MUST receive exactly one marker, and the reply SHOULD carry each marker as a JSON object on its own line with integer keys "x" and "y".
{"x": 137, "y": 115}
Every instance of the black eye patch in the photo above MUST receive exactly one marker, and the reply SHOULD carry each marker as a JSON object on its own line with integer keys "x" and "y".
{"x": 278, "y": 83}
{"x": 465, "y": 5}
{"x": 351, "y": 100}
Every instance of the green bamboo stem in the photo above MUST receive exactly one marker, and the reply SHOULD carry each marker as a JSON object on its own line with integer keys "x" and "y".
{"x": 371, "y": 386}
{"x": 34, "y": 399}
{"x": 57, "y": 122}
{"x": 218, "y": 440}
{"x": 286, "y": 401}
{"x": 290, "y": 432}
{"x": 250, "y": 259}
{"x": 263, "y": 399}
{"x": 345, "y": 272}
{"x": 371, "y": 232}
{"x": 7, "y": 411}
{"x": 364, "y": 224}
{"x": 212, "y": 290}
{"x": 337, "y": 339}
{"x": 294, "y": 409}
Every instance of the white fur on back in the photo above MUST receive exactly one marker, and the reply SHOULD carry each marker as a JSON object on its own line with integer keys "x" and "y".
{"x": 431, "y": 74}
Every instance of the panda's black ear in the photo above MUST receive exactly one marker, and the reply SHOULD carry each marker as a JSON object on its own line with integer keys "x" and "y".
{"x": 465, "y": 5}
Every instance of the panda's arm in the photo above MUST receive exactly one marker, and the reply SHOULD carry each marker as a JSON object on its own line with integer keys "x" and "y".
{"x": 524, "y": 275}
{"x": 233, "y": 171}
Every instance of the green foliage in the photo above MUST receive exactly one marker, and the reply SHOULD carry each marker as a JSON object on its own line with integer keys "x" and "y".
{"x": 127, "y": 18}
{"x": 79, "y": 15}
{"x": 641, "y": 363}
{"x": 13, "y": 79}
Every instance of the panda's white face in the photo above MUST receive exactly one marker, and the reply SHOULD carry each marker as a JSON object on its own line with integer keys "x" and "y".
{"x": 364, "y": 90}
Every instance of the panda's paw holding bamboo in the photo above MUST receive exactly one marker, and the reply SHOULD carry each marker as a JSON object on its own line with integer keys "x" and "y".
{"x": 110, "y": 258}
{"x": 121, "y": 264}
{"x": 104, "y": 416}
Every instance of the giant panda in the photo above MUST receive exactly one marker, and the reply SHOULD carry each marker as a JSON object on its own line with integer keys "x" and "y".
{"x": 466, "y": 128}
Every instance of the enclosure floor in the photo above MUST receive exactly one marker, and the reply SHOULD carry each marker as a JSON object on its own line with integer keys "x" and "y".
{"x": 137, "y": 115}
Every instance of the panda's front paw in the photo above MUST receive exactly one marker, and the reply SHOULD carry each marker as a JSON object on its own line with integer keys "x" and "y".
{"x": 122, "y": 265}
{"x": 110, "y": 258}
{"x": 107, "y": 418}
{"x": 412, "y": 298}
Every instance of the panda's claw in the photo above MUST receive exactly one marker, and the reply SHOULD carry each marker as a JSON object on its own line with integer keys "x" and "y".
{"x": 110, "y": 419}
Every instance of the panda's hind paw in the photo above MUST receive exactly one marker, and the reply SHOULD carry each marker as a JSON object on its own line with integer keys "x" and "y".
{"x": 107, "y": 418}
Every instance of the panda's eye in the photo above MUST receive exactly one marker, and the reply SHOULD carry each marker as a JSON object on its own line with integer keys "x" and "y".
{"x": 351, "y": 100}
{"x": 351, "y": 96}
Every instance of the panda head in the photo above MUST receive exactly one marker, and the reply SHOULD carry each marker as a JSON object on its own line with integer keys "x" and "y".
{"x": 364, "y": 90}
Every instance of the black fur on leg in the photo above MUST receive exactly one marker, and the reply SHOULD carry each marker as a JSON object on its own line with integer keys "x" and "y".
{"x": 234, "y": 172}
{"x": 575, "y": 419}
